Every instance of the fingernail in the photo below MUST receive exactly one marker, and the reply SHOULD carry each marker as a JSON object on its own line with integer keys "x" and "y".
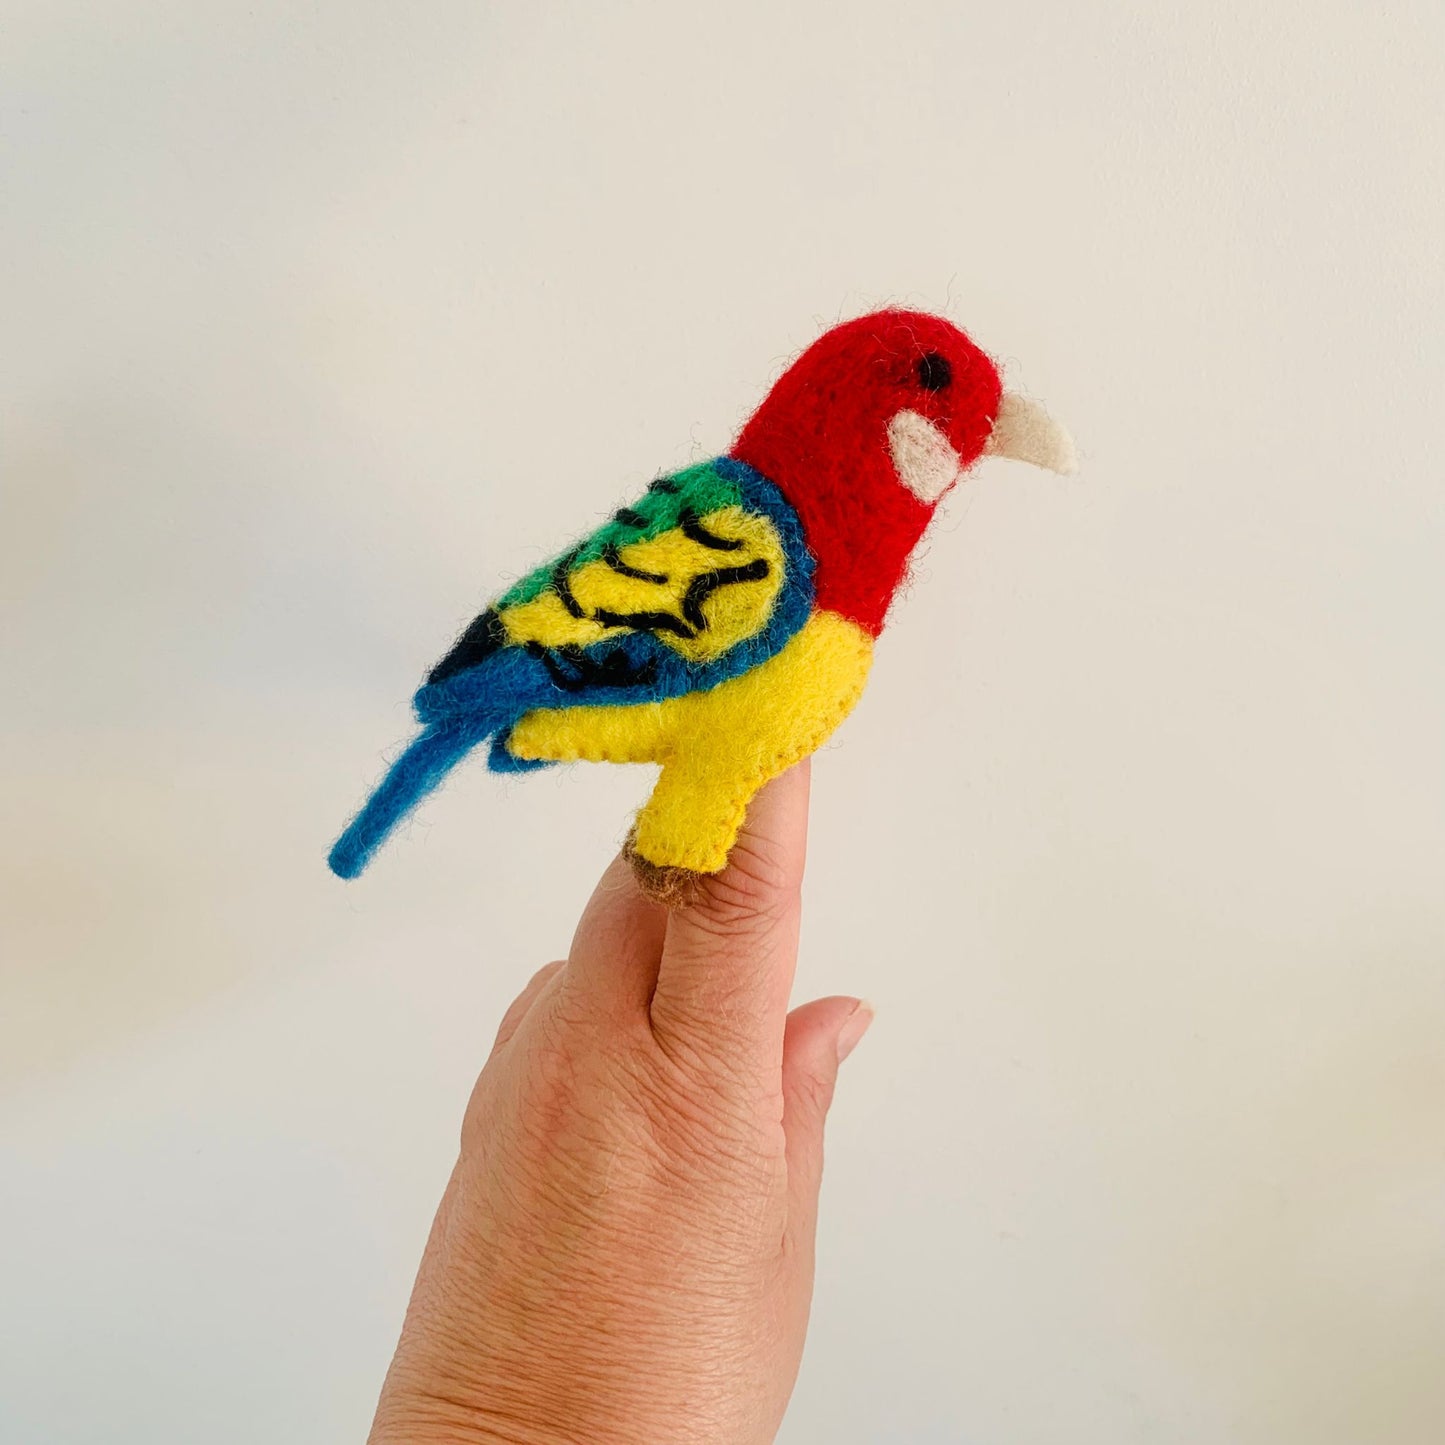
{"x": 854, "y": 1027}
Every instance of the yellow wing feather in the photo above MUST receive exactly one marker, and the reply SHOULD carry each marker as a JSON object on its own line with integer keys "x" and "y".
{"x": 672, "y": 562}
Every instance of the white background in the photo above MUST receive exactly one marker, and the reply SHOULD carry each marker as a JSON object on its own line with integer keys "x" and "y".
{"x": 318, "y": 322}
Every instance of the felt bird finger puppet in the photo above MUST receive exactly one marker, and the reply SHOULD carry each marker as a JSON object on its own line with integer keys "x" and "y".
{"x": 723, "y": 624}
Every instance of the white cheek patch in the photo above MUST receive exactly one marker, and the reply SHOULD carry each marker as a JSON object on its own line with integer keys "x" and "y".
{"x": 923, "y": 458}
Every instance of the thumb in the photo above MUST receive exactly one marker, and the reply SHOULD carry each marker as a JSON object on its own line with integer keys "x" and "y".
{"x": 521, "y": 1006}
{"x": 818, "y": 1037}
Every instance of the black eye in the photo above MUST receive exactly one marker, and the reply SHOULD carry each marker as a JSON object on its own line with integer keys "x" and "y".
{"x": 934, "y": 372}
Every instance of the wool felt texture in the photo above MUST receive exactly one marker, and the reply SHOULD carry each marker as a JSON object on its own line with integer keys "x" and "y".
{"x": 723, "y": 624}
{"x": 1025, "y": 431}
{"x": 921, "y": 455}
{"x": 700, "y": 604}
{"x": 717, "y": 747}
{"x": 822, "y": 436}
{"x": 596, "y": 626}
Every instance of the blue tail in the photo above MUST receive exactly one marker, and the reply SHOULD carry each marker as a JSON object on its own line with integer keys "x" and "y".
{"x": 412, "y": 776}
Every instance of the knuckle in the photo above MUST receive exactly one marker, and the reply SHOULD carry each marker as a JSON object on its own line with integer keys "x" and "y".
{"x": 755, "y": 893}
{"x": 521, "y": 1006}
{"x": 707, "y": 1112}
{"x": 542, "y": 975}
{"x": 714, "y": 1056}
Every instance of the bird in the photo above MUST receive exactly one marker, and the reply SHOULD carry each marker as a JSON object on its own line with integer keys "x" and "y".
{"x": 723, "y": 624}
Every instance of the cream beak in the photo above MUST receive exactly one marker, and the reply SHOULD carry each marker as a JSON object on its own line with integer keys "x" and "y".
{"x": 1024, "y": 431}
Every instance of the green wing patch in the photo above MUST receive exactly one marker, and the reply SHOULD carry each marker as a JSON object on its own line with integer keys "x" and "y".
{"x": 697, "y": 491}
{"x": 700, "y": 588}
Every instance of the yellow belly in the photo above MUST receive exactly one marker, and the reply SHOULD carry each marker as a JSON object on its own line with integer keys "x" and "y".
{"x": 717, "y": 748}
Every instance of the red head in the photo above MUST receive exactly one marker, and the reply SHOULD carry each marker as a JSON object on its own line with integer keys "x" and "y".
{"x": 864, "y": 433}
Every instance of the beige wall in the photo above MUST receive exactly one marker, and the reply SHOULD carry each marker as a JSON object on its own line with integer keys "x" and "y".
{"x": 319, "y": 320}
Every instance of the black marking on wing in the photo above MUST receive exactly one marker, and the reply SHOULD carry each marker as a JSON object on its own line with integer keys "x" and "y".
{"x": 613, "y": 558}
{"x": 573, "y": 671}
{"x": 575, "y": 668}
{"x": 665, "y": 484}
{"x": 706, "y": 583}
{"x": 694, "y": 531}
{"x": 643, "y": 621}
{"x": 484, "y": 636}
{"x": 562, "y": 583}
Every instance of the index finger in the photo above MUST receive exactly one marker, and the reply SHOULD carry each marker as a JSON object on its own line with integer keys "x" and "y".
{"x": 729, "y": 958}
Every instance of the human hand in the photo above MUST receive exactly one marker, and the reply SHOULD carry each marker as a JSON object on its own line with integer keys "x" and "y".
{"x": 624, "y": 1252}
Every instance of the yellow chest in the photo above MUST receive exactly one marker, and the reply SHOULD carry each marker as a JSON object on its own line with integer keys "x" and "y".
{"x": 716, "y": 747}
